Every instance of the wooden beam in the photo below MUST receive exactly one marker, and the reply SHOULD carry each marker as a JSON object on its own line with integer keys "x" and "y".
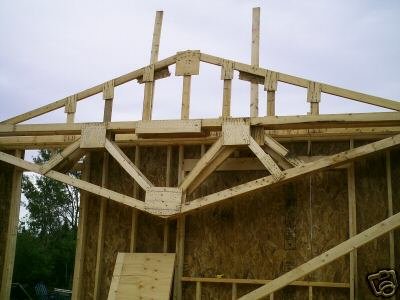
{"x": 283, "y": 122}
{"x": 204, "y": 161}
{"x": 266, "y": 160}
{"x": 135, "y": 212}
{"x": 351, "y": 190}
{"x": 255, "y": 59}
{"x": 245, "y": 281}
{"x": 227, "y": 76}
{"x": 12, "y": 229}
{"x": 275, "y": 145}
{"x": 325, "y": 258}
{"x": 293, "y": 173}
{"x": 390, "y": 209}
{"x": 187, "y": 79}
{"x": 60, "y": 156}
{"x": 127, "y": 165}
{"x": 86, "y": 93}
{"x": 78, "y": 183}
{"x": 302, "y": 82}
{"x": 270, "y": 85}
{"x": 180, "y": 235}
{"x": 81, "y": 235}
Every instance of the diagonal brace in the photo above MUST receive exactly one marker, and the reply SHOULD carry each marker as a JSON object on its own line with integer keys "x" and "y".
{"x": 59, "y": 157}
{"x": 127, "y": 165}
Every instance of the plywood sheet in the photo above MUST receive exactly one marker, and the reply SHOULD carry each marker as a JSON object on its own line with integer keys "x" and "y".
{"x": 142, "y": 276}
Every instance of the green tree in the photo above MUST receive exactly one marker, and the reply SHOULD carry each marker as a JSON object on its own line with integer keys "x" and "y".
{"x": 47, "y": 236}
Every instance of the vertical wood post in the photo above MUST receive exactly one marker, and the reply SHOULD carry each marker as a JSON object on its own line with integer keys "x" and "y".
{"x": 227, "y": 76}
{"x": 234, "y": 291}
{"x": 187, "y": 79}
{"x": 270, "y": 85}
{"x": 167, "y": 184}
{"x": 198, "y": 290}
{"x": 81, "y": 234}
{"x": 150, "y": 84}
{"x": 390, "y": 208}
{"x": 12, "y": 230}
{"x": 255, "y": 55}
{"x": 135, "y": 213}
{"x": 351, "y": 189}
{"x": 180, "y": 235}
{"x": 108, "y": 96}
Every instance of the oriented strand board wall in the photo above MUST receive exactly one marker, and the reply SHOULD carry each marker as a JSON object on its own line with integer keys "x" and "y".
{"x": 261, "y": 235}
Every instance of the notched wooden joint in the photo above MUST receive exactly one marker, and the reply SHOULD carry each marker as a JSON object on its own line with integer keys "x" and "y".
{"x": 93, "y": 135}
{"x": 227, "y": 69}
{"x": 271, "y": 81}
{"x": 187, "y": 63}
{"x": 163, "y": 201}
{"x": 235, "y": 132}
{"x": 314, "y": 92}
{"x": 108, "y": 90}
{"x": 157, "y": 74}
{"x": 70, "y": 104}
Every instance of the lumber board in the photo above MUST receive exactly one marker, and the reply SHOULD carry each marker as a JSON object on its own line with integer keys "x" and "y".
{"x": 255, "y": 59}
{"x": 326, "y": 257}
{"x": 60, "y": 156}
{"x": 142, "y": 276}
{"x": 168, "y": 127}
{"x": 266, "y": 160}
{"x": 204, "y": 161}
{"x": 86, "y": 93}
{"x": 275, "y": 146}
{"x": 127, "y": 165}
{"x": 275, "y": 122}
{"x": 265, "y": 281}
{"x": 293, "y": 173}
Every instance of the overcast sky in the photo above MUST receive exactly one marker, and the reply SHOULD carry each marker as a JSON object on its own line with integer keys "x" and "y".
{"x": 51, "y": 49}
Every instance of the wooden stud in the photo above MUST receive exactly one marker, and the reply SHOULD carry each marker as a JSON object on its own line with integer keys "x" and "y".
{"x": 255, "y": 55}
{"x": 310, "y": 293}
{"x": 266, "y": 160}
{"x": 270, "y": 85}
{"x": 275, "y": 146}
{"x": 81, "y": 234}
{"x": 327, "y": 257}
{"x": 11, "y": 238}
{"x": 70, "y": 108}
{"x": 135, "y": 213}
{"x": 351, "y": 190}
{"x": 186, "y": 97}
{"x": 180, "y": 235}
{"x": 227, "y": 76}
{"x": 314, "y": 96}
{"x": 148, "y": 76}
{"x": 390, "y": 209}
{"x": 234, "y": 291}
{"x": 198, "y": 290}
{"x": 167, "y": 184}
{"x": 59, "y": 157}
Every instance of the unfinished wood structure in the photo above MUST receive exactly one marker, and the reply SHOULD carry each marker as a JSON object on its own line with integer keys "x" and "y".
{"x": 251, "y": 207}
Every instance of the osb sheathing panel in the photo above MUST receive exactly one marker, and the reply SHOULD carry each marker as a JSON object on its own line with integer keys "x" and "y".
{"x": 6, "y": 172}
{"x": 261, "y": 235}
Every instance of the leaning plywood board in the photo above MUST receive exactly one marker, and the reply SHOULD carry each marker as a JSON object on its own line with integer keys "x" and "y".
{"x": 142, "y": 276}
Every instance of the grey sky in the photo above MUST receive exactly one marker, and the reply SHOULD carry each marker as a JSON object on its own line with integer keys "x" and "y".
{"x": 51, "y": 49}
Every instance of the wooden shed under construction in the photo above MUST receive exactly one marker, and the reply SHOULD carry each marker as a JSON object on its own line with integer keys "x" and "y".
{"x": 276, "y": 207}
